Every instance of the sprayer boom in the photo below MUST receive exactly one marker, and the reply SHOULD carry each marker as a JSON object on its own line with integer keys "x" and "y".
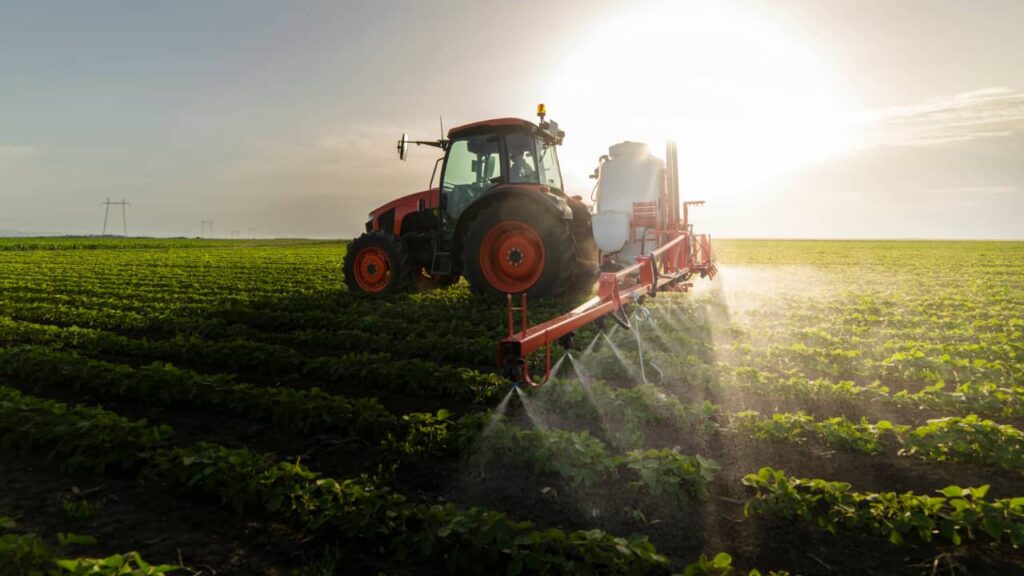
{"x": 667, "y": 267}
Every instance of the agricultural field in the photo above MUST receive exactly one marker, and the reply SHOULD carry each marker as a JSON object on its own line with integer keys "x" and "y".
{"x": 226, "y": 407}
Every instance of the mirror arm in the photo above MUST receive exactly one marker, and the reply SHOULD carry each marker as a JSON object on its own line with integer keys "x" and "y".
{"x": 442, "y": 143}
{"x": 434, "y": 173}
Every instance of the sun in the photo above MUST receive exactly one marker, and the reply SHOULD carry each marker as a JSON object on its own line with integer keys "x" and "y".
{"x": 745, "y": 96}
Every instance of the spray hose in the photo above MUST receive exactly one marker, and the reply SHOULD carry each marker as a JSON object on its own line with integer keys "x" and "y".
{"x": 640, "y": 316}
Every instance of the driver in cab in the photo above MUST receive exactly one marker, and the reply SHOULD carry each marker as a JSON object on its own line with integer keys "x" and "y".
{"x": 521, "y": 165}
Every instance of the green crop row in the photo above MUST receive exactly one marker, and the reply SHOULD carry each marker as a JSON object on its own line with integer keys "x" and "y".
{"x": 405, "y": 323}
{"x": 978, "y": 397}
{"x": 82, "y": 437}
{"x": 295, "y": 409}
{"x": 580, "y": 458}
{"x": 960, "y": 439}
{"x": 474, "y": 541}
{"x": 968, "y": 439}
{"x": 958, "y": 515}
{"x": 281, "y": 350}
{"x": 236, "y": 354}
{"x": 381, "y": 371}
{"x": 624, "y": 411}
{"x": 409, "y": 376}
{"x": 28, "y": 555}
{"x": 908, "y": 364}
{"x": 837, "y": 432}
{"x": 585, "y": 461}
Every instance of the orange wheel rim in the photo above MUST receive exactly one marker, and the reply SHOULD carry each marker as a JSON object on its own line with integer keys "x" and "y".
{"x": 512, "y": 257}
{"x": 372, "y": 269}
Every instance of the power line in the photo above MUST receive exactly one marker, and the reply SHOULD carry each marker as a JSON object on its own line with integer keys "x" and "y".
{"x": 124, "y": 213}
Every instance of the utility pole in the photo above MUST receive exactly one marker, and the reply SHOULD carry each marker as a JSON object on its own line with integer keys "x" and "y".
{"x": 202, "y": 228}
{"x": 124, "y": 214}
{"x": 252, "y": 233}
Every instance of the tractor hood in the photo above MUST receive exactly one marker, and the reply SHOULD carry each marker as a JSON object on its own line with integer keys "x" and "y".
{"x": 389, "y": 216}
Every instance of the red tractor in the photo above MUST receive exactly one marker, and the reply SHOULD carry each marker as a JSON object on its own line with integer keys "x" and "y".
{"x": 500, "y": 218}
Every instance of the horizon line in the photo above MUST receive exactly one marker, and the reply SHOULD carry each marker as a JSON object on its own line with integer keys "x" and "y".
{"x": 29, "y": 236}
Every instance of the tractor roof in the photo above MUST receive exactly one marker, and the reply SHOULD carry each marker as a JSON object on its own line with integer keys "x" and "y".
{"x": 490, "y": 125}
{"x": 547, "y": 129}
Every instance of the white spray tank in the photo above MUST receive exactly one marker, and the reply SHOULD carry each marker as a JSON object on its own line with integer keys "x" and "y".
{"x": 630, "y": 202}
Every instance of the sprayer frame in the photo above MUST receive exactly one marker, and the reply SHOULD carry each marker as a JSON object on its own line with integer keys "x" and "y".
{"x": 665, "y": 268}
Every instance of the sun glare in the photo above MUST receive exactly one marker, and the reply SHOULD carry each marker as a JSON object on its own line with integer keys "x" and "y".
{"x": 743, "y": 95}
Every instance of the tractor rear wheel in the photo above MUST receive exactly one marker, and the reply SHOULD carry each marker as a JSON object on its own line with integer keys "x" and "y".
{"x": 377, "y": 263}
{"x": 513, "y": 247}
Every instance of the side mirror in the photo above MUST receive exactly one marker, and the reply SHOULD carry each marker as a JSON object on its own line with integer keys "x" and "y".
{"x": 403, "y": 146}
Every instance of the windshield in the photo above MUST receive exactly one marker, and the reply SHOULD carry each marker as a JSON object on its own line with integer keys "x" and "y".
{"x": 471, "y": 168}
{"x": 550, "y": 174}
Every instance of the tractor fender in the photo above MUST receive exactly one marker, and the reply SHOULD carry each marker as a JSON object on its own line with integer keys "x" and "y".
{"x": 535, "y": 195}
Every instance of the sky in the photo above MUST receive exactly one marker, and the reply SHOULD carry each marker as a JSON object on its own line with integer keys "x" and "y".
{"x": 794, "y": 118}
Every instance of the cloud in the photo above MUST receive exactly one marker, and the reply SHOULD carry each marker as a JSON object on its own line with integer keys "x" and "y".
{"x": 979, "y": 114}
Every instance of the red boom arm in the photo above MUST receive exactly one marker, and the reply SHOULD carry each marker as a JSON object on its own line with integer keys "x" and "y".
{"x": 666, "y": 268}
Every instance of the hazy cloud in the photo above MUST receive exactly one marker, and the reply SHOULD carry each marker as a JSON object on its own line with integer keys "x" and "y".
{"x": 979, "y": 114}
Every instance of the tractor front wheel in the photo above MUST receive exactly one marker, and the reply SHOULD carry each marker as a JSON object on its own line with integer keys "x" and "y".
{"x": 514, "y": 247}
{"x": 378, "y": 264}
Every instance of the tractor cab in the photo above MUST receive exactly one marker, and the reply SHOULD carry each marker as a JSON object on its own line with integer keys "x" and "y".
{"x": 486, "y": 155}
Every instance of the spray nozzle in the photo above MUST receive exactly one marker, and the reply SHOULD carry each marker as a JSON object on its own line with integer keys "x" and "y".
{"x": 568, "y": 342}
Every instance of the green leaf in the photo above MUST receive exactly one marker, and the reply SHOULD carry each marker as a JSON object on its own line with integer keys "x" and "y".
{"x": 952, "y": 491}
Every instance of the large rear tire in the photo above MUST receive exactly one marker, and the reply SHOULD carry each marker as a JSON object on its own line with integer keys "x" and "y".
{"x": 378, "y": 264}
{"x": 587, "y": 255}
{"x": 513, "y": 246}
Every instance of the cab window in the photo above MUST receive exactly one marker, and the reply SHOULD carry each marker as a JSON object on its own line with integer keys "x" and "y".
{"x": 522, "y": 161}
{"x": 550, "y": 173}
{"x": 471, "y": 168}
